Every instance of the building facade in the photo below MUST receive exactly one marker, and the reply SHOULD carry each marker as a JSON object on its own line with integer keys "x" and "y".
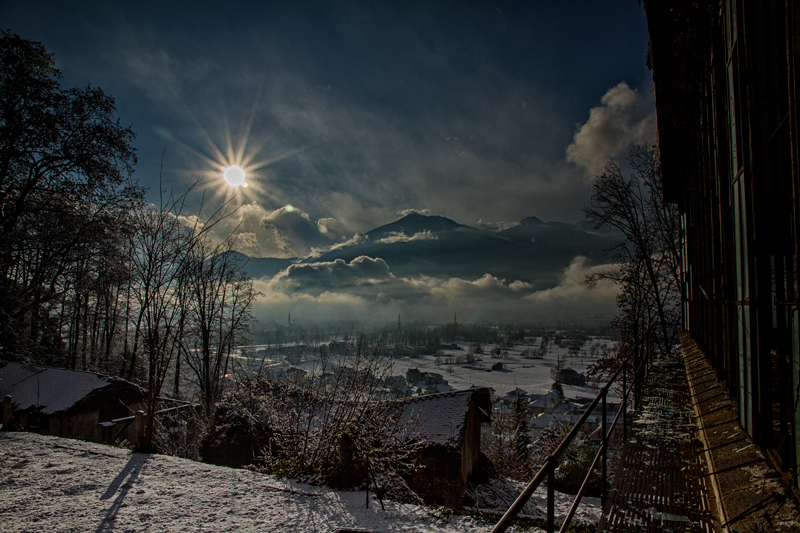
{"x": 726, "y": 97}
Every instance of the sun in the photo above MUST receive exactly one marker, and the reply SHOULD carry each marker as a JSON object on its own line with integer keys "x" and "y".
{"x": 236, "y": 169}
{"x": 235, "y": 176}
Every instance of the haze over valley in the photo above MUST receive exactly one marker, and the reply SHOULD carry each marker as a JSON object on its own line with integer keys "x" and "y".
{"x": 427, "y": 267}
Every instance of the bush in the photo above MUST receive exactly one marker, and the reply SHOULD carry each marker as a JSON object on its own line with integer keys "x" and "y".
{"x": 573, "y": 468}
{"x": 334, "y": 427}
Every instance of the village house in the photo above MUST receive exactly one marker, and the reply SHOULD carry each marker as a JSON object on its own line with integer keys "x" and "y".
{"x": 437, "y": 388}
{"x": 67, "y": 403}
{"x": 568, "y": 376}
{"x": 512, "y": 396}
{"x": 543, "y": 403}
{"x": 449, "y": 426}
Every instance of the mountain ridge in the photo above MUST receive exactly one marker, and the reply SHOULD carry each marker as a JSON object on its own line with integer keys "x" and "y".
{"x": 533, "y": 251}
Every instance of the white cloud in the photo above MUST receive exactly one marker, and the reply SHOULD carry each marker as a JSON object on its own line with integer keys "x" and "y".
{"x": 358, "y": 238}
{"x": 624, "y": 118}
{"x": 404, "y": 212}
{"x": 399, "y": 236}
{"x": 283, "y": 232}
{"x": 362, "y": 270}
{"x": 366, "y": 290}
{"x": 571, "y": 288}
{"x": 247, "y": 243}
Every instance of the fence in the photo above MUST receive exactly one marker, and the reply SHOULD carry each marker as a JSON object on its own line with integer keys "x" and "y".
{"x": 138, "y": 422}
{"x": 547, "y": 471}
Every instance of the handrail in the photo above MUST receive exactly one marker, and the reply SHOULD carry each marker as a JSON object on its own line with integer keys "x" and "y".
{"x": 551, "y": 463}
{"x": 129, "y": 418}
{"x": 126, "y": 420}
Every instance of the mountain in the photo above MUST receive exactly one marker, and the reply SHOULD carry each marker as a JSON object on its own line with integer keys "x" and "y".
{"x": 533, "y": 251}
{"x": 259, "y": 267}
{"x": 415, "y": 223}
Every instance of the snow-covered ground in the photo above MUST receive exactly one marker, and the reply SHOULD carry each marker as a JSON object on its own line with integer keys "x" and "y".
{"x": 53, "y": 484}
{"x": 531, "y": 375}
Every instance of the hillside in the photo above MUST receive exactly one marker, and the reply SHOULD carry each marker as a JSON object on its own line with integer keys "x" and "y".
{"x": 55, "y": 484}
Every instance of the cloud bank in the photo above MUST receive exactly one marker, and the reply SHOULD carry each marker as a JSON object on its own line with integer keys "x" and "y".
{"x": 284, "y": 232}
{"x": 624, "y": 118}
{"x": 366, "y": 290}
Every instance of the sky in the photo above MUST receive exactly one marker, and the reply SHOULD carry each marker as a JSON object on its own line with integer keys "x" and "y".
{"x": 346, "y": 114}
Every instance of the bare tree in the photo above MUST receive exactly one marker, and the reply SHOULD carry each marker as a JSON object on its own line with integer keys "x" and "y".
{"x": 218, "y": 300}
{"x": 65, "y": 174}
{"x": 163, "y": 245}
{"x": 646, "y": 253}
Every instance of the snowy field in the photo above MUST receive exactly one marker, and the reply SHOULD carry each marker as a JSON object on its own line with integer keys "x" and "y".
{"x": 54, "y": 484}
{"x": 531, "y": 375}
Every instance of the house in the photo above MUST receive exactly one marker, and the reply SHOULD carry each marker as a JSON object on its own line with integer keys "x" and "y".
{"x": 413, "y": 375}
{"x": 543, "y": 403}
{"x": 431, "y": 378}
{"x": 437, "y": 388}
{"x": 68, "y": 403}
{"x": 568, "y": 376}
{"x": 540, "y": 423}
{"x": 449, "y": 426}
{"x": 514, "y": 394}
{"x": 394, "y": 382}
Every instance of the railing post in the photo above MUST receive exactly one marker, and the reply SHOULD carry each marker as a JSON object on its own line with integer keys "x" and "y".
{"x": 625, "y": 403}
{"x": 635, "y": 378}
{"x": 8, "y": 413}
{"x": 138, "y": 430}
{"x": 551, "y": 481}
{"x": 605, "y": 442}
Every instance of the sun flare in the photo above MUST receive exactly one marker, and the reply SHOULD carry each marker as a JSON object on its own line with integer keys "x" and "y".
{"x": 236, "y": 167}
{"x": 235, "y": 176}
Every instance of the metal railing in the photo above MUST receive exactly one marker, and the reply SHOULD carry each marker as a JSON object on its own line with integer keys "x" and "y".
{"x": 547, "y": 471}
{"x": 126, "y": 421}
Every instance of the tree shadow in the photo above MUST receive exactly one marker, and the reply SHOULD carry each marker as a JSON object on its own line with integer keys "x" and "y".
{"x": 131, "y": 472}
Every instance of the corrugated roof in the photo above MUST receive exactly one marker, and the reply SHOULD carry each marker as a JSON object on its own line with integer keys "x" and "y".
{"x": 440, "y": 418}
{"x": 50, "y": 390}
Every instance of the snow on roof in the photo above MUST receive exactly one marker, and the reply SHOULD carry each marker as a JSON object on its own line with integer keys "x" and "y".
{"x": 52, "y": 390}
{"x": 440, "y": 418}
{"x": 542, "y": 421}
{"x": 543, "y": 402}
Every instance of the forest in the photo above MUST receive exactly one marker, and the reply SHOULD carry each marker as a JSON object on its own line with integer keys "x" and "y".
{"x": 93, "y": 277}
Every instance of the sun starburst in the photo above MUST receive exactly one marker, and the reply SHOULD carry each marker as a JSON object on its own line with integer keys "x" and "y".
{"x": 236, "y": 170}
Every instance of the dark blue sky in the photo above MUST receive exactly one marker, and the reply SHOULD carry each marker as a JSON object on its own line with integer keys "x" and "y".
{"x": 471, "y": 110}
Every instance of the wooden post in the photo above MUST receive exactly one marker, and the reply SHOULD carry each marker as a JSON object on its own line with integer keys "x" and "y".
{"x": 8, "y": 414}
{"x": 551, "y": 487}
{"x": 625, "y": 403}
{"x": 138, "y": 430}
{"x": 603, "y": 491}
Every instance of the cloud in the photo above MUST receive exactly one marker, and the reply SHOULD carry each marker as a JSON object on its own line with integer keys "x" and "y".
{"x": 362, "y": 270}
{"x": 366, "y": 290}
{"x": 284, "y": 232}
{"x": 624, "y": 118}
{"x": 247, "y": 243}
{"x": 399, "y": 236}
{"x": 571, "y": 288}
{"x": 358, "y": 238}
{"x": 293, "y": 232}
{"x": 404, "y": 212}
